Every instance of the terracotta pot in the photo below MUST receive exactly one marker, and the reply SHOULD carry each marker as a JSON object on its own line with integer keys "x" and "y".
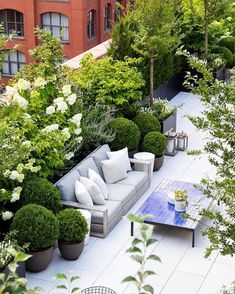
{"x": 158, "y": 162}
{"x": 39, "y": 260}
{"x": 70, "y": 250}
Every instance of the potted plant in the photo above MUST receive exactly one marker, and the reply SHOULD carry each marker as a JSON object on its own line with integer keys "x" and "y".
{"x": 72, "y": 231}
{"x": 165, "y": 113}
{"x": 156, "y": 143}
{"x": 181, "y": 200}
{"x": 147, "y": 122}
{"x": 39, "y": 227}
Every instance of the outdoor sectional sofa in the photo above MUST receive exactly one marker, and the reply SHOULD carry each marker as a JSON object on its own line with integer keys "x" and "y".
{"x": 122, "y": 195}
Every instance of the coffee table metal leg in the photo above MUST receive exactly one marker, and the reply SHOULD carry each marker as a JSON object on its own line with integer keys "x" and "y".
{"x": 132, "y": 229}
{"x": 193, "y": 238}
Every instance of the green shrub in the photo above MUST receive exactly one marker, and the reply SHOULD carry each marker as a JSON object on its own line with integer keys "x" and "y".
{"x": 72, "y": 225}
{"x": 35, "y": 225}
{"x": 147, "y": 122}
{"x": 127, "y": 134}
{"x": 129, "y": 110}
{"x": 226, "y": 55}
{"x": 228, "y": 42}
{"x": 41, "y": 191}
{"x": 155, "y": 142}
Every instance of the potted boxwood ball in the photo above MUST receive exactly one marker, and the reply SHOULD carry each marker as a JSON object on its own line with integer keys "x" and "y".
{"x": 147, "y": 122}
{"x": 39, "y": 227}
{"x": 72, "y": 231}
{"x": 155, "y": 142}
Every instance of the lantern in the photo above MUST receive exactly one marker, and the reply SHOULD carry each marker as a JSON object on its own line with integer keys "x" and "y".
{"x": 182, "y": 141}
{"x": 171, "y": 143}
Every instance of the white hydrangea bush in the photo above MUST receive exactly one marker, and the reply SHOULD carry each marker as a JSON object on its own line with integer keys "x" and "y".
{"x": 47, "y": 118}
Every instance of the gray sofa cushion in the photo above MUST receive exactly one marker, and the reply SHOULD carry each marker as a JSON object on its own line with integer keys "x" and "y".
{"x": 67, "y": 185}
{"x": 122, "y": 193}
{"x": 99, "y": 155}
{"x": 85, "y": 164}
{"x": 114, "y": 209}
{"x": 135, "y": 178}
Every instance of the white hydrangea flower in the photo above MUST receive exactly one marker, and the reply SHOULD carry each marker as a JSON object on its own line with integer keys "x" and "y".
{"x": 10, "y": 91}
{"x": 35, "y": 169}
{"x": 58, "y": 100}
{"x": 78, "y": 131}
{"x": 77, "y": 119}
{"x": 3, "y": 191}
{"x": 6, "y": 215}
{"x": 15, "y": 175}
{"x": 40, "y": 82}
{"x": 72, "y": 99}
{"x": 7, "y": 173}
{"x": 62, "y": 106}
{"x": 26, "y": 143}
{"x": 20, "y": 100}
{"x": 16, "y": 194}
{"x": 50, "y": 128}
{"x": 66, "y": 132}
{"x": 20, "y": 167}
{"x": 69, "y": 155}
{"x": 23, "y": 84}
{"x": 66, "y": 90}
{"x": 50, "y": 110}
{"x": 27, "y": 116}
{"x": 79, "y": 139}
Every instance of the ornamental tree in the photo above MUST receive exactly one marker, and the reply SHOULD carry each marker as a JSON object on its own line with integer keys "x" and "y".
{"x": 217, "y": 120}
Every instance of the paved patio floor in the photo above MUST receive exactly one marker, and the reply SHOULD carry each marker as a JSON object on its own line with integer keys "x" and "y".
{"x": 183, "y": 270}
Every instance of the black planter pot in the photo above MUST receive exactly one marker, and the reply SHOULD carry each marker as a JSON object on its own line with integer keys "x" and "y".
{"x": 220, "y": 74}
{"x": 39, "y": 260}
{"x": 158, "y": 162}
{"x": 169, "y": 123}
{"x": 70, "y": 250}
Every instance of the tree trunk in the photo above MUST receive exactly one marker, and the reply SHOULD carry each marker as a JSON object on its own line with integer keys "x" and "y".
{"x": 206, "y": 28}
{"x": 151, "y": 95}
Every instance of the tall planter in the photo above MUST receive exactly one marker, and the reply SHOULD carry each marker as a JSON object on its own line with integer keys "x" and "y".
{"x": 39, "y": 260}
{"x": 169, "y": 123}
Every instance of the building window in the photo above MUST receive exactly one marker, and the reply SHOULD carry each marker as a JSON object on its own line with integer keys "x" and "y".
{"x": 12, "y": 63}
{"x": 57, "y": 24}
{"x": 91, "y": 24}
{"x": 108, "y": 17}
{"x": 13, "y": 22}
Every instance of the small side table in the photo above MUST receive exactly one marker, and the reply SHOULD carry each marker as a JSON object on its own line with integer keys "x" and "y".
{"x": 87, "y": 216}
{"x": 146, "y": 156}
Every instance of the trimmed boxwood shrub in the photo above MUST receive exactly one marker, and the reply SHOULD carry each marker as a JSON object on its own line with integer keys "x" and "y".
{"x": 155, "y": 142}
{"x": 129, "y": 110}
{"x": 127, "y": 134}
{"x": 228, "y": 42}
{"x": 35, "y": 225}
{"x": 41, "y": 191}
{"x": 147, "y": 123}
{"x": 72, "y": 225}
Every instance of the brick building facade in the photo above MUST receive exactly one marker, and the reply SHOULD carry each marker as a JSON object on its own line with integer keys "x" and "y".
{"x": 82, "y": 23}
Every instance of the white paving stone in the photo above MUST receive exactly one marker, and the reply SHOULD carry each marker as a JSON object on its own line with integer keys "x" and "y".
{"x": 183, "y": 268}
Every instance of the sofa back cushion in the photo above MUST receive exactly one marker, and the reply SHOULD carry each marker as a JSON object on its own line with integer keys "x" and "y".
{"x": 67, "y": 185}
{"x": 85, "y": 165}
{"x": 100, "y": 155}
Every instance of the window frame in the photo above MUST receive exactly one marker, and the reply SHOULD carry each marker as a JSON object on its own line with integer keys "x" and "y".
{"x": 15, "y": 23}
{"x": 108, "y": 17}
{"x": 91, "y": 24}
{"x": 10, "y": 62}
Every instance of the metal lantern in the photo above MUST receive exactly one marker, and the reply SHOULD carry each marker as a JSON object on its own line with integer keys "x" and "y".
{"x": 171, "y": 143}
{"x": 182, "y": 141}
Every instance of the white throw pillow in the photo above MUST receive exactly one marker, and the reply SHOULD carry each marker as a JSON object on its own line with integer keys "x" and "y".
{"x": 99, "y": 182}
{"x": 113, "y": 169}
{"x": 123, "y": 153}
{"x": 95, "y": 192}
{"x": 82, "y": 194}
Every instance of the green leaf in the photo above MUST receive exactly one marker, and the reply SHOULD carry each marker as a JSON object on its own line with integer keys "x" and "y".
{"x": 74, "y": 278}
{"x": 154, "y": 257}
{"x": 134, "y": 249}
{"x": 75, "y": 289}
{"x": 151, "y": 241}
{"x": 129, "y": 279}
{"x": 60, "y": 276}
{"x": 61, "y": 287}
{"x": 137, "y": 258}
{"x": 148, "y": 288}
{"x": 136, "y": 241}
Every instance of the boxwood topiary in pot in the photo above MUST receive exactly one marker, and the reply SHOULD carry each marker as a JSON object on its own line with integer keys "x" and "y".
{"x": 155, "y": 142}
{"x": 72, "y": 231}
{"x": 127, "y": 134}
{"x": 39, "y": 227}
{"x": 40, "y": 191}
{"x": 147, "y": 122}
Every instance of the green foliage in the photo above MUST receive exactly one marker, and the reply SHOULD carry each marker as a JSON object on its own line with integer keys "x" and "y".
{"x": 11, "y": 282}
{"x": 226, "y": 55}
{"x": 140, "y": 252}
{"x": 41, "y": 191}
{"x": 129, "y": 111}
{"x": 217, "y": 119}
{"x": 228, "y": 42}
{"x": 147, "y": 123}
{"x": 126, "y": 132}
{"x": 35, "y": 225}
{"x": 72, "y": 225}
{"x": 162, "y": 109}
{"x": 155, "y": 142}
{"x": 69, "y": 280}
{"x": 111, "y": 83}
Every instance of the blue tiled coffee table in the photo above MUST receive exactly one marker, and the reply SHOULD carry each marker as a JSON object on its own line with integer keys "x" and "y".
{"x": 163, "y": 213}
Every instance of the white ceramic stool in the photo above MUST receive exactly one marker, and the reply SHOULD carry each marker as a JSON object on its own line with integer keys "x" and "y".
{"x": 146, "y": 156}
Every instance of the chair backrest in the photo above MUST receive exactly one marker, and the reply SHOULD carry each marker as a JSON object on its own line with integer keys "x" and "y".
{"x": 98, "y": 290}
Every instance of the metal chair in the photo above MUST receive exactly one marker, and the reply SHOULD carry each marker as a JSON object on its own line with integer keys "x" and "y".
{"x": 98, "y": 290}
